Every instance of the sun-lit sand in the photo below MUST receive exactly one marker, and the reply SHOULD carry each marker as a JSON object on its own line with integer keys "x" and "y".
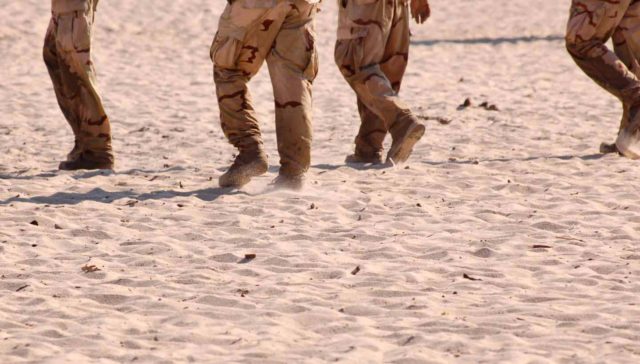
{"x": 507, "y": 238}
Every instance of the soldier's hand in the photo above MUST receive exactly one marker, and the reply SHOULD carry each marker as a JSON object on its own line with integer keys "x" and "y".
{"x": 420, "y": 10}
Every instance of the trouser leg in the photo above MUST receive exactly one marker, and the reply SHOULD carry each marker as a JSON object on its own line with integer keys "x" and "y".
{"x": 244, "y": 38}
{"x": 591, "y": 24}
{"x": 393, "y": 65}
{"x": 626, "y": 42}
{"x": 293, "y": 67}
{"x": 51, "y": 60}
{"x": 237, "y": 115}
{"x": 363, "y": 35}
{"x": 73, "y": 75}
{"x": 370, "y": 138}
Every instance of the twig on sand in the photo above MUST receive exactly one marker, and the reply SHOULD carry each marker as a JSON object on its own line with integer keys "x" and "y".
{"x": 408, "y": 340}
{"x": 570, "y": 238}
{"x": 440, "y": 119}
{"x": 132, "y": 203}
{"x": 466, "y": 276}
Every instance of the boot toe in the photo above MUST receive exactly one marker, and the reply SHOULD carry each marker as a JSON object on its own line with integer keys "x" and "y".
{"x": 242, "y": 171}
{"x": 402, "y": 147}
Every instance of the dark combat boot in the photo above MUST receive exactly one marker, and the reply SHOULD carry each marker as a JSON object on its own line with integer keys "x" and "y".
{"x": 88, "y": 160}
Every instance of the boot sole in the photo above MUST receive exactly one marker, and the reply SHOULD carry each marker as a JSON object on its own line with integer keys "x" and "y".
{"x": 69, "y": 166}
{"x": 401, "y": 152}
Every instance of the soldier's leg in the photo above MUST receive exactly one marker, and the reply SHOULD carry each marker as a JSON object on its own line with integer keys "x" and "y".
{"x": 293, "y": 65}
{"x": 626, "y": 40}
{"x": 246, "y": 32}
{"x": 591, "y": 24}
{"x": 407, "y": 130}
{"x": 51, "y": 60}
{"x": 370, "y": 138}
{"x": 77, "y": 76}
{"x": 627, "y": 48}
{"x": 626, "y": 43}
{"x": 363, "y": 32}
{"x": 393, "y": 65}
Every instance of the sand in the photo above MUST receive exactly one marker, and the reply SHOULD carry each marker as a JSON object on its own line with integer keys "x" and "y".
{"x": 507, "y": 238}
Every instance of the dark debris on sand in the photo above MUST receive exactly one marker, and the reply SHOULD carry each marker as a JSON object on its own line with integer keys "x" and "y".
{"x": 90, "y": 269}
{"x": 484, "y": 105}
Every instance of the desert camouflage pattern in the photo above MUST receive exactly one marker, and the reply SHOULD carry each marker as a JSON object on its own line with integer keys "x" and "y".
{"x": 67, "y": 54}
{"x": 65, "y": 6}
{"x": 280, "y": 32}
{"x": 591, "y": 24}
{"x": 372, "y": 52}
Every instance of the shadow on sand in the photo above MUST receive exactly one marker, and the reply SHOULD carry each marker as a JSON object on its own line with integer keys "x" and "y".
{"x": 356, "y": 166}
{"x": 491, "y": 41}
{"x": 102, "y": 196}
{"x": 588, "y": 157}
{"x": 20, "y": 175}
{"x": 212, "y": 194}
{"x": 362, "y": 167}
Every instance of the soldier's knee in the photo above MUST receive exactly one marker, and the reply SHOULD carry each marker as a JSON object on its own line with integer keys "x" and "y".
{"x": 45, "y": 55}
{"x": 226, "y": 75}
{"x": 583, "y": 48}
{"x": 570, "y": 42}
{"x": 48, "y": 55}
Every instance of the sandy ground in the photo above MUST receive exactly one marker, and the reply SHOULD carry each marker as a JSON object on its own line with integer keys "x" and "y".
{"x": 506, "y": 239}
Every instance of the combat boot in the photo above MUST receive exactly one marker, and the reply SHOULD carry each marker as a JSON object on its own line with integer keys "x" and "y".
{"x": 290, "y": 182}
{"x": 363, "y": 158}
{"x": 406, "y": 132}
{"x": 368, "y": 147}
{"x": 608, "y": 148}
{"x": 75, "y": 153}
{"x": 628, "y": 142}
{"x": 89, "y": 160}
{"x": 248, "y": 164}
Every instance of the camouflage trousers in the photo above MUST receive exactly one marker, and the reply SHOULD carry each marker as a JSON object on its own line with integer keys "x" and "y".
{"x": 372, "y": 52}
{"x": 67, "y": 54}
{"x": 280, "y": 32}
{"x": 591, "y": 24}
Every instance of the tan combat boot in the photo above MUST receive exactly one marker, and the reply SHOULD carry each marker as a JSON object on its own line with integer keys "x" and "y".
{"x": 75, "y": 152}
{"x": 607, "y": 148}
{"x": 406, "y": 132}
{"x": 248, "y": 164}
{"x": 290, "y": 182}
{"x": 628, "y": 142}
{"x": 364, "y": 158}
